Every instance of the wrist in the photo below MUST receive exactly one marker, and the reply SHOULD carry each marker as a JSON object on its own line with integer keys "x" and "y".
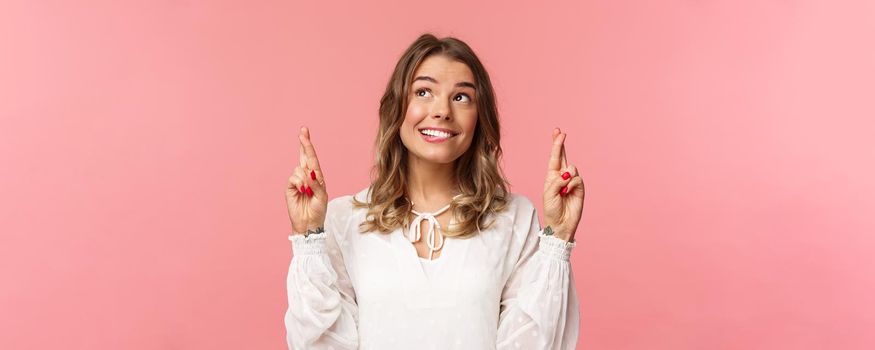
{"x": 311, "y": 231}
{"x": 550, "y": 230}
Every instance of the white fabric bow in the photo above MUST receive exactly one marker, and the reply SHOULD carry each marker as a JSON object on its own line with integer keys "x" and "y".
{"x": 433, "y": 230}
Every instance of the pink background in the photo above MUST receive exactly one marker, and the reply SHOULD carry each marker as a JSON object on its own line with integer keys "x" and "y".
{"x": 726, "y": 148}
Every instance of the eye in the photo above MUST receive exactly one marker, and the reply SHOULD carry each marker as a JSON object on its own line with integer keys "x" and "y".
{"x": 421, "y": 92}
{"x": 462, "y": 97}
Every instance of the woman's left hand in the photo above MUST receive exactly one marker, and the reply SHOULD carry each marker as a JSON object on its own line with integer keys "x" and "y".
{"x": 563, "y": 192}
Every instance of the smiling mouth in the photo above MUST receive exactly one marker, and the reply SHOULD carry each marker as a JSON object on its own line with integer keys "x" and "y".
{"x": 437, "y": 134}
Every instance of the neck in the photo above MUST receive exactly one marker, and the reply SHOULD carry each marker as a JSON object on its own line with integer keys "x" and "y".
{"x": 430, "y": 186}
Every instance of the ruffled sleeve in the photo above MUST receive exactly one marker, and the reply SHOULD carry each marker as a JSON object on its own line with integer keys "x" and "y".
{"x": 539, "y": 307}
{"x": 322, "y": 311}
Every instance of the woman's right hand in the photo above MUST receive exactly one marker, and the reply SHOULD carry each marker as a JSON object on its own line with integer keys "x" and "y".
{"x": 306, "y": 196}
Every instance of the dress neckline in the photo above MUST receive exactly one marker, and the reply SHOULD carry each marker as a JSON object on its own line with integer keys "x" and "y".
{"x": 415, "y": 233}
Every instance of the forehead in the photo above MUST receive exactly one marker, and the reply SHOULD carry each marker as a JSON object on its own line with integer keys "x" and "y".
{"x": 444, "y": 70}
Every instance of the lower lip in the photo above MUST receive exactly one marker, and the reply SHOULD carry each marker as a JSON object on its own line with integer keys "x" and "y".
{"x": 434, "y": 139}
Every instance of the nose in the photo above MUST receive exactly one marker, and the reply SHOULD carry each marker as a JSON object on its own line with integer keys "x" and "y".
{"x": 441, "y": 110}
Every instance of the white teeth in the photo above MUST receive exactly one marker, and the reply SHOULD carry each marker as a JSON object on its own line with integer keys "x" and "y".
{"x": 435, "y": 133}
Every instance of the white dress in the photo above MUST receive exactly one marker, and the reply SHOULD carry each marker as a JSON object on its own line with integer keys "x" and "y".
{"x": 507, "y": 287}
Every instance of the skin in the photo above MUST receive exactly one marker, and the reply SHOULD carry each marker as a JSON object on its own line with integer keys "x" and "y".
{"x": 437, "y": 102}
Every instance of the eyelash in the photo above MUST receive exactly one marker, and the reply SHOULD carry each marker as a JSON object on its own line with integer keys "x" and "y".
{"x": 424, "y": 89}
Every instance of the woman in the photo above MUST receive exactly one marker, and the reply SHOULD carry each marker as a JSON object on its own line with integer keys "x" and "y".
{"x": 435, "y": 253}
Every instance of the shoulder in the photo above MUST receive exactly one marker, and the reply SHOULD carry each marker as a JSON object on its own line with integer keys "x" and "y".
{"x": 342, "y": 209}
{"x": 518, "y": 215}
{"x": 341, "y": 214}
{"x": 344, "y": 203}
{"x": 519, "y": 206}
{"x": 524, "y": 226}
{"x": 524, "y": 218}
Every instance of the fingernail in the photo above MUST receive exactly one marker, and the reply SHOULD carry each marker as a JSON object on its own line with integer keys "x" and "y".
{"x": 303, "y": 189}
{"x": 564, "y": 190}
{"x": 313, "y": 174}
{"x": 566, "y": 175}
{"x": 309, "y": 191}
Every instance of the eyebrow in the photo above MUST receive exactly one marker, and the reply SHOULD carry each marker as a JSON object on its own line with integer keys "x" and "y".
{"x": 460, "y": 84}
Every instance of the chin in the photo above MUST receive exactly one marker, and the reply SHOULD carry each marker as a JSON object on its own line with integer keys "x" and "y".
{"x": 437, "y": 158}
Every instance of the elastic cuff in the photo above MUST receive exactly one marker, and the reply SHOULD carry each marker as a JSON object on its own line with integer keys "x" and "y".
{"x": 313, "y": 244}
{"x": 555, "y": 247}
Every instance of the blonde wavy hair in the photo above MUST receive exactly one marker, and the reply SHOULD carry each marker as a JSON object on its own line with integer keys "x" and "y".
{"x": 483, "y": 185}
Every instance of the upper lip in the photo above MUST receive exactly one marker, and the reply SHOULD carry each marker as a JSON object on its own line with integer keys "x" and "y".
{"x": 451, "y": 132}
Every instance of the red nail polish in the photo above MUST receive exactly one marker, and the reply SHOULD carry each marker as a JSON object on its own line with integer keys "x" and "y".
{"x": 303, "y": 189}
{"x": 313, "y": 174}
{"x": 566, "y": 175}
{"x": 309, "y": 191}
{"x": 564, "y": 190}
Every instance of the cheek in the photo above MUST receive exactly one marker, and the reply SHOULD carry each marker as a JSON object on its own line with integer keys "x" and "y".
{"x": 415, "y": 113}
{"x": 468, "y": 122}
